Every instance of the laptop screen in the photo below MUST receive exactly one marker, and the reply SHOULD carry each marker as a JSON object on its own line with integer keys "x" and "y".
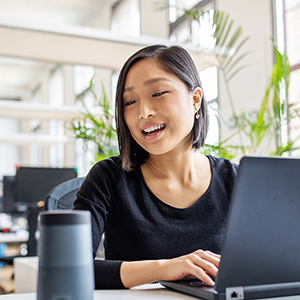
{"x": 262, "y": 242}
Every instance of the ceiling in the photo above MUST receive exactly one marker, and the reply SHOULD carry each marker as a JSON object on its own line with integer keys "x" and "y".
{"x": 19, "y": 73}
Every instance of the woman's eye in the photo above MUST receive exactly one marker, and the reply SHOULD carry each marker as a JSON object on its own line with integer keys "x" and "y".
{"x": 129, "y": 102}
{"x": 158, "y": 94}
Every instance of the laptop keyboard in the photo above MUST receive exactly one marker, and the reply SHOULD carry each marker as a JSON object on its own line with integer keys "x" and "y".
{"x": 195, "y": 283}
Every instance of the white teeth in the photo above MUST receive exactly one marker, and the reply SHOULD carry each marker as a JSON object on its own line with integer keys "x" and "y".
{"x": 153, "y": 128}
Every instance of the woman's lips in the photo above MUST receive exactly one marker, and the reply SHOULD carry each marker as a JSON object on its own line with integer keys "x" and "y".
{"x": 153, "y": 129}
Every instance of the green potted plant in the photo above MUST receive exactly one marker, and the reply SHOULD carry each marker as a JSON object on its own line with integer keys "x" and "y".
{"x": 97, "y": 128}
{"x": 252, "y": 128}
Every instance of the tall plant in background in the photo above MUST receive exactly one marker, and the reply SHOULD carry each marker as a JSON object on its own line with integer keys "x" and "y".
{"x": 98, "y": 128}
{"x": 257, "y": 130}
{"x": 265, "y": 126}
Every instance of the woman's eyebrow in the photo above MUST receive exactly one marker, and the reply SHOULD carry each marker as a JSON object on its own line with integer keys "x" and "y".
{"x": 153, "y": 80}
{"x": 127, "y": 89}
{"x": 147, "y": 82}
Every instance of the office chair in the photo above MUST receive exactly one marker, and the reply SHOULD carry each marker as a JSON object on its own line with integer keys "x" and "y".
{"x": 62, "y": 197}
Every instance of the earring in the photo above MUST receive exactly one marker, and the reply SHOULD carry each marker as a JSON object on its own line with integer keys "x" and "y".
{"x": 197, "y": 115}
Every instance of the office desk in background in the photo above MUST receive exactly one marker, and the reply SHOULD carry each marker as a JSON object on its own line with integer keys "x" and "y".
{"x": 20, "y": 236}
{"x": 145, "y": 292}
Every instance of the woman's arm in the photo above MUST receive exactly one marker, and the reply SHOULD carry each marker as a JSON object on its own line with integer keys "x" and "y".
{"x": 199, "y": 264}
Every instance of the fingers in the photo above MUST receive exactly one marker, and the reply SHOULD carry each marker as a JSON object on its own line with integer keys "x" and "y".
{"x": 199, "y": 264}
{"x": 203, "y": 265}
{"x": 199, "y": 273}
{"x": 213, "y": 254}
{"x": 210, "y": 256}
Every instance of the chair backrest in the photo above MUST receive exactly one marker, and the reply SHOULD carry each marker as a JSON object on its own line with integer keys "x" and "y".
{"x": 63, "y": 195}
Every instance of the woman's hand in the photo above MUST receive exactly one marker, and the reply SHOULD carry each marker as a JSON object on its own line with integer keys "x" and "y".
{"x": 199, "y": 264}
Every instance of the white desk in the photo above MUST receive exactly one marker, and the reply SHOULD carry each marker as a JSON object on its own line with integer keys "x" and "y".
{"x": 26, "y": 280}
{"x": 145, "y": 292}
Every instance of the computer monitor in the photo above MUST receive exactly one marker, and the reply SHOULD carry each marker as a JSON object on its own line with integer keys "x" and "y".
{"x": 33, "y": 184}
{"x": 8, "y": 203}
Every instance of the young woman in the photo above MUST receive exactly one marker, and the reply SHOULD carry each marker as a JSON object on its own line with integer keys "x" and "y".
{"x": 161, "y": 204}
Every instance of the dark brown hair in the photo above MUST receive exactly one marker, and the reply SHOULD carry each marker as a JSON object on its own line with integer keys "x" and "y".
{"x": 175, "y": 60}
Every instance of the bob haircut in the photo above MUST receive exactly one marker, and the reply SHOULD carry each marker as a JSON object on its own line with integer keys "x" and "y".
{"x": 177, "y": 61}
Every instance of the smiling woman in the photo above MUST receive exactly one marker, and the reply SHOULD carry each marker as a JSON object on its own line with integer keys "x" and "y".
{"x": 161, "y": 204}
{"x": 161, "y": 116}
{"x": 165, "y": 68}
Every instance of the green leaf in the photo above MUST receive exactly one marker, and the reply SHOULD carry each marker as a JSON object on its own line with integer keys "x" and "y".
{"x": 97, "y": 129}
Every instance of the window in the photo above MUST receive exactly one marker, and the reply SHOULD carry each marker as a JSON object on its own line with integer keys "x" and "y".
{"x": 56, "y": 87}
{"x": 292, "y": 26}
{"x": 56, "y": 98}
{"x": 114, "y": 82}
{"x": 84, "y": 154}
{"x": 209, "y": 80}
{"x": 185, "y": 30}
{"x": 287, "y": 39}
{"x": 56, "y": 151}
{"x": 9, "y": 153}
{"x": 35, "y": 128}
{"x": 202, "y": 31}
{"x": 82, "y": 77}
{"x": 177, "y": 7}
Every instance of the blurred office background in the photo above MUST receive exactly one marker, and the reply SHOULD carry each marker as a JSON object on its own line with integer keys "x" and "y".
{"x": 50, "y": 49}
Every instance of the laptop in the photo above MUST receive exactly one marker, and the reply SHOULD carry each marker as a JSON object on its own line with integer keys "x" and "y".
{"x": 260, "y": 257}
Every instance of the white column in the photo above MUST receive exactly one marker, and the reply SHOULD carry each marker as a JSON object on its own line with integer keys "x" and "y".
{"x": 154, "y": 22}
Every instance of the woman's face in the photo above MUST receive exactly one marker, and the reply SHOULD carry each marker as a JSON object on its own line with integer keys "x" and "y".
{"x": 158, "y": 108}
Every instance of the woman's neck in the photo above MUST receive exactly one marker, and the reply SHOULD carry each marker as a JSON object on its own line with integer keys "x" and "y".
{"x": 177, "y": 180}
{"x": 174, "y": 166}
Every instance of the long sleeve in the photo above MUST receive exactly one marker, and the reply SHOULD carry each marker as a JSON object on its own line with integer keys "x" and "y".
{"x": 107, "y": 274}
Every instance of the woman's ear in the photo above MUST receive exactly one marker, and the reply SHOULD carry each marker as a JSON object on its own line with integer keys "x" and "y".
{"x": 197, "y": 97}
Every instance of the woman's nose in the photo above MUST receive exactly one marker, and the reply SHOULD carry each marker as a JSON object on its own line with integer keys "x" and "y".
{"x": 146, "y": 109}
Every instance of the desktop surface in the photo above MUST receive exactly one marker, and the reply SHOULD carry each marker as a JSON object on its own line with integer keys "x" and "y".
{"x": 145, "y": 292}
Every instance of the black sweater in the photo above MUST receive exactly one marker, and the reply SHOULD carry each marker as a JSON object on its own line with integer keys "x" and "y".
{"x": 138, "y": 226}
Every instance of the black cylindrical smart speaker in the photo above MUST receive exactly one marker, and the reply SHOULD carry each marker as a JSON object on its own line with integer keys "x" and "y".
{"x": 65, "y": 256}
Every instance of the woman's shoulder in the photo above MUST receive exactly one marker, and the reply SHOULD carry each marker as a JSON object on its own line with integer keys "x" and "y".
{"x": 221, "y": 164}
{"x": 112, "y": 165}
{"x": 223, "y": 169}
{"x": 223, "y": 175}
{"x": 105, "y": 175}
{"x": 111, "y": 169}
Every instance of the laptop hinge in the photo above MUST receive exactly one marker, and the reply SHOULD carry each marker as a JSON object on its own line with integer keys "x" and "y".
{"x": 235, "y": 293}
